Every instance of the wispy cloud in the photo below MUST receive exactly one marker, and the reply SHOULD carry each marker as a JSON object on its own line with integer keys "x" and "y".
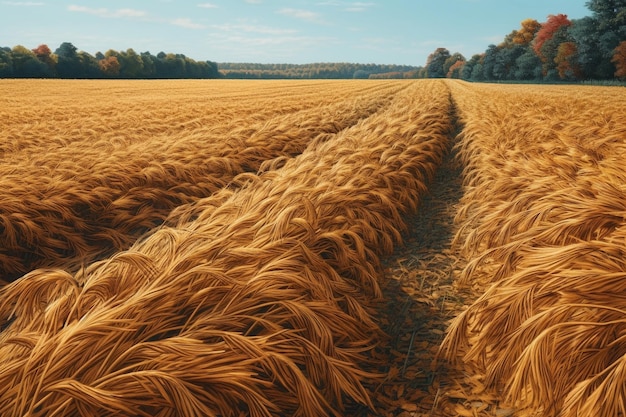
{"x": 207, "y": 6}
{"x": 23, "y": 3}
{"x": 186, "y": 23}
{"x": 358, "y": 6}
{"x": 265, "y": 48}
{"x": 348, "y": 6}
{"x": 104, "y": 12}
{"x": 254, "y": 1}
{"x": 301, "y": 14}
{"x": 252, "y": 28}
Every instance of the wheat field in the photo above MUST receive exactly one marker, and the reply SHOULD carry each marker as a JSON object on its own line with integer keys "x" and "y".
{"x": 223, "y": 248}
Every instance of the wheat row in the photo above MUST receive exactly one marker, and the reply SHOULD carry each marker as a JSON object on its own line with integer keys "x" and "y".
{"x": 252, "y": 301}
{"x": 70, "y": 199}
{"x": 543, "y": 226}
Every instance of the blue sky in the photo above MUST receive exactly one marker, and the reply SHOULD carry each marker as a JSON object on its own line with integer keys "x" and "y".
{"x": 276, "y": 31}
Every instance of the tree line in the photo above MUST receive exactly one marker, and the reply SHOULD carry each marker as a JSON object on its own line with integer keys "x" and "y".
{"x": 591, "y": 48}
{"x": 320, "y": 70}
{"x": 68, "y": 62}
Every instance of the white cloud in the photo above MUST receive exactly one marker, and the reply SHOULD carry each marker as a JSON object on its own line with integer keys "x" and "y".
{"x": 186, "y": 23}
{"x": 128, "y": 13}
{"x": 301, "y": 14}
{"x": 254, "y": 1}
{"x": 23, "y": 3}
{"x": 251, "y": 28}
{"x": 104, "y": 12}
{"x": 207, "y": 6}
{"x": 356, "y": 6}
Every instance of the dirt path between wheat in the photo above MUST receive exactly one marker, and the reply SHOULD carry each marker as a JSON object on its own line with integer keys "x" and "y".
{"x": 420, "y": 299}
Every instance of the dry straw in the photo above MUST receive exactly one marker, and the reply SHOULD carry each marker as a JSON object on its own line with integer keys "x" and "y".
{"x": 79, "y": 188}
{"x": 252, "y": 301}
{"x": 543, "y": 228}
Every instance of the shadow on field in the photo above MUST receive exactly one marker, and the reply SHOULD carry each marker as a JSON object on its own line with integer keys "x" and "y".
{"x": 419, "y": 301}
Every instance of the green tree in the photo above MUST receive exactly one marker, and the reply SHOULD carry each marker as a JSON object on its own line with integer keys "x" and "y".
{"x": 6, "y": 63}
{"x": 131, "y": 64}
{"x": 489, "y": 62}
{"x": 528, "y": 66}
{"x": 26, "y": 64}
{"x": 610, "y": 15}
{"x": 435, "y": 62}
{"x": 44, "y": 54}
{"x": 149, "y": 66}
{"x": 88, "y": 65}
{"x": 591, "y": 58}
{"x": 68, "y": 64}
{"x": 466, "y": 72}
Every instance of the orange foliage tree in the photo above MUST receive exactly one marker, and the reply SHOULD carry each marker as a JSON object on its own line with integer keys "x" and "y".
{"x": 565, "y": 61}
{"x": 110, "y": 66}
{"x": 527, "y": 32}
{"x": 44, "y": 54}
{"x": 619, "y": 59}
{"x": 455, "y": 69}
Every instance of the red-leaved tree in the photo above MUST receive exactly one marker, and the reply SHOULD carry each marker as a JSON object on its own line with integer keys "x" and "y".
{"x": 547, "y": 31}
{"x": 44, "y": 54}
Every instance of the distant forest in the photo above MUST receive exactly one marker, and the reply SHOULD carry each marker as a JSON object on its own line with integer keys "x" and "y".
{"x": 559, "y": 49}
{"x": 68, "y": 62}
{"x": 315, "y": 70}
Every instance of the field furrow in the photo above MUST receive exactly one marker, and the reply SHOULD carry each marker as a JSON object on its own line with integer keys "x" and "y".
{"x": 350, "y": 248}
{"x": 254, "y": 300}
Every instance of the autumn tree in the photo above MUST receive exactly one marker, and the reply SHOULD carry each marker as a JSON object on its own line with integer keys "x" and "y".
{"x": 110, "y": 66}
{"x": 619, "y": 59}
{"x": 26, "y": 64}
{"x": 455, "y": 69}
{"x": 566, "y": 61}
{"x": 44, "y": 54}
{"x": 547, "y": 32}
{"x": 527, "y": 32}
{"x": 547, "y": 40}
{"x": 451, "y": 61}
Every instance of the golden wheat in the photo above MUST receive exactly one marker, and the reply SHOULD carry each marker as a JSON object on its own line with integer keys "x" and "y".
{"x": 85, "y": 177}
{"x": 542, "y": 225}
{"x": 251, "y": 301}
